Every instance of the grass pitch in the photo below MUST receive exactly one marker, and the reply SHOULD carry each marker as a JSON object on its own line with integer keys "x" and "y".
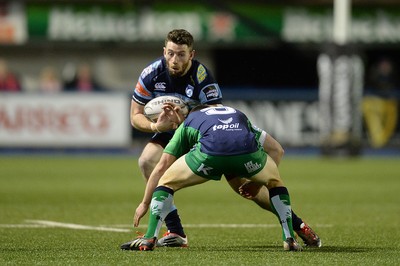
{"x": 77, "y": 210}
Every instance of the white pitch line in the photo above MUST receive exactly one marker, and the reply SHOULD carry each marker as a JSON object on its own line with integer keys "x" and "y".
{"x": 52, "y": 224}
{"x": 77, "y": 226}
{"x": 22, "y": 226}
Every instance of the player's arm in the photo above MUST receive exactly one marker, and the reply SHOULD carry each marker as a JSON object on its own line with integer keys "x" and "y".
{"x": 270, "y": 145}
{"x": 165, "y": 162}
{"x": 139, "y": 120}
{"x": 176, "y": 147}
{"x": 168, "y": 120}
{"x": 274, "y": 149}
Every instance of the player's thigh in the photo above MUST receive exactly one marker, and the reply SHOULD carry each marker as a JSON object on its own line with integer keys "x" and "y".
{"x": 236, "y": 182}
{"x": 179, "y": 175}
{"x": 269, "y": 175}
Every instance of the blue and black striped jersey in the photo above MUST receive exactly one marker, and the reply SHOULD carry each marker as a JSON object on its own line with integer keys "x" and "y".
{"x": 196, "y": 87}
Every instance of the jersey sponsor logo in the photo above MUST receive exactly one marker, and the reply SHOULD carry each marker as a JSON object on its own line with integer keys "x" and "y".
{"x": 227, "y": 127}
{"x": 140, "y": 90}
{"x": 204, "y": 168}
{"x": 201, "y": 74}
{"x": 160, "y": 86}
{"x": 211, "y": 92}
{"x": 226, "y": 124}
{"x": 251, "y": 167}
{"x": 226, "y": 121}
{"x": 189, "y": 91}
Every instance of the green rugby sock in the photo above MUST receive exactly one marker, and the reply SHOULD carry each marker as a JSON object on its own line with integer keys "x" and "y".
{"x": 161, "y": 204}
{"x": 280, "y": 202}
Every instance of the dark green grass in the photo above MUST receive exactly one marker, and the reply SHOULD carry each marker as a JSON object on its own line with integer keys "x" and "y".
{"x": 352, "y": 203}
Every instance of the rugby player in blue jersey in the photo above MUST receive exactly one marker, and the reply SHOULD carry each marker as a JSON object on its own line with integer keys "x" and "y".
{"x": 211, "y": 142}
{"x": 178, "y": 73}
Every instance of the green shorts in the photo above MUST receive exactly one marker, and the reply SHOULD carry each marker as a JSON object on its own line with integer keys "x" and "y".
{"x": 213, "y": 167}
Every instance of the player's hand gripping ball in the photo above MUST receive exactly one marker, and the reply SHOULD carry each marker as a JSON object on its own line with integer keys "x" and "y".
{"x": 155, "y": 107}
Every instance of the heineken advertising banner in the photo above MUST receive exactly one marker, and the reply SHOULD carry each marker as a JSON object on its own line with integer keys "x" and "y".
{"x": 238, "y": 23}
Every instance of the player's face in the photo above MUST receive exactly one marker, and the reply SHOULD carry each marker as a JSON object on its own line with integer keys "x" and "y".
{"x": 179, "y": 58}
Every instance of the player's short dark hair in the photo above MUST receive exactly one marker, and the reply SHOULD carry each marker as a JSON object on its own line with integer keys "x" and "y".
{"x": 180, "y": 36}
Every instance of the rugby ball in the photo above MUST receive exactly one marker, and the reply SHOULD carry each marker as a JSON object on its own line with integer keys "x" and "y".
{"x": 154, "y": 107}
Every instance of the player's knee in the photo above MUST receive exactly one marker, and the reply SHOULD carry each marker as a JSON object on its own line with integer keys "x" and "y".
{"x": 275, "y": 182}
{"x": 146, "y": 165}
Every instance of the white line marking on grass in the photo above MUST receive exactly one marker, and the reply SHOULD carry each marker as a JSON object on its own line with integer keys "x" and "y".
{"x": 52, "y": 224}
{"x": 22, "y": 226}
{"x": 77, "y": 226}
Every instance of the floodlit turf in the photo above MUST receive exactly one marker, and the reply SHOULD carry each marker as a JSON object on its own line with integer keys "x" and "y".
{"x": 77, "y": 210}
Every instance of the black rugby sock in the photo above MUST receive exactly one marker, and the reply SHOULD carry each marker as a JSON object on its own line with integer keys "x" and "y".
{"x": 297, "y": 221}
{"x": 173, "y": 223}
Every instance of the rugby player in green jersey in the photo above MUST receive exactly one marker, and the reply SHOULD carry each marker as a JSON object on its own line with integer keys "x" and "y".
{"x": 202, "y": 149}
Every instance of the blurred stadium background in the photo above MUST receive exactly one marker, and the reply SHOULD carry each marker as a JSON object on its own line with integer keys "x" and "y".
{"x": 266, "y": 55}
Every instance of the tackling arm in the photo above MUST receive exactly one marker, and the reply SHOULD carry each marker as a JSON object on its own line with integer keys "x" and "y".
{"x": 273, "y": 148}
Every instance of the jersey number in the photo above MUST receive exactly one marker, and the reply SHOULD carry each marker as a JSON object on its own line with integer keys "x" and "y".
{"x": 222, "y": 110}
